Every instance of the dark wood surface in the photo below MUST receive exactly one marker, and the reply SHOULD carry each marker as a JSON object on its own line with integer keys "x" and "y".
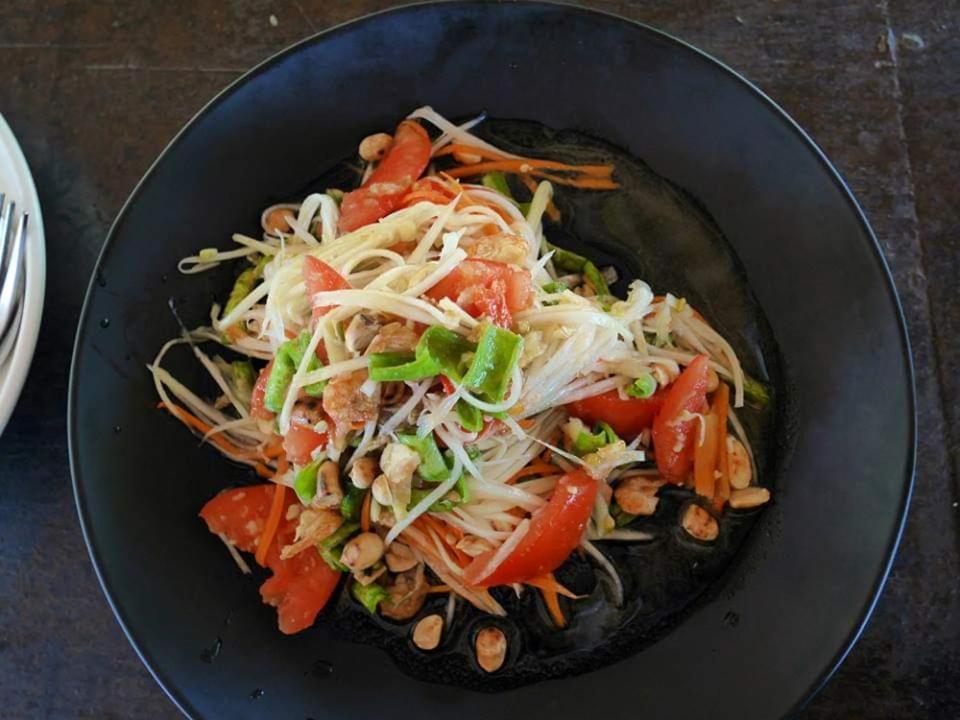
{"x": 94, "y": 90}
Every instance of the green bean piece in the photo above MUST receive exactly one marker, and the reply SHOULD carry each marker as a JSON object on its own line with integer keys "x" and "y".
{"x": 643, "y": 387}
{"x": 368, "y": 595}
{"x": 493, "y": 363}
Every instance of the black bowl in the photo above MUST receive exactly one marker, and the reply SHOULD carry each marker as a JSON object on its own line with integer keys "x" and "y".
{"x": 805, "y": 581}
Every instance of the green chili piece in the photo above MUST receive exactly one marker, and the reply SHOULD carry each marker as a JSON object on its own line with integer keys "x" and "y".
{"x": 331, "y": 547}
{"x": 496, "y": 356}
{"x": 442, "y": 505}
{"x": 497, "y": 181}
{"x": 586, "y": 443}
{"x": 433, "y": 467}
{"x": 331, "y": 556}
{"x": 438, "y": 351}
{"x": 447, "y": 350}
{"x": 471, "y": 419}
{"x": 244, "y": 377}
{"x": 244, "y": 284}
{"x": 368, "y": 595}
{"x": 305, "y": 481}
{"x": 643, "y": 387}
{"x": 620, "y": 516}
{"x": 340, "y": 535}
{"x": 572, "y": 262}
{"x": 285, "y": 366}
{"x": 352, "y": 502}
{"x": 593, "y": 276}
{"x": 756, "y": 391}
{"x": 555, "y": 286}
{"x": 280, "y": 376}
{"x": 567, "y": 259}
{"x": 463, "y": 490}
{"x": 296, "y": 350}
{"x": 389, "y": 366}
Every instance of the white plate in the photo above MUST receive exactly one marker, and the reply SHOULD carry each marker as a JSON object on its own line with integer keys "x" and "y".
{"x": 17, "y": 183}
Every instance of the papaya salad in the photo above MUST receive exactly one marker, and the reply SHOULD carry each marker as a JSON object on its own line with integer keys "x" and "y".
{"x": 440, "y": 401}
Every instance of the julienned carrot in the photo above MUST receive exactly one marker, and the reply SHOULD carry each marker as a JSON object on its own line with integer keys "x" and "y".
{"x": 192, "y": 421}
{"x": 425, "y": 195}
{"x": 537, "y": 468}
{"x": 438, "y": 589}
{"x": 553, "y": 606}
{"x": 427, "y": 524}
{"x": 274, "y": 449}
{"x": 365, "y": 513}
{"x": 551, "y": 590}
{"x": 552, "y": 211}
{"x": 604, "y": 170}
{"x": 273, "y": 522}
{"x": 705, "y": 458}
{"x": 469, "y": 149}
{"x": 549, "y": 582}
{"x": 721, "y": 407}
{"x": 468, "y": 199}
{"x": 588, "y": 181}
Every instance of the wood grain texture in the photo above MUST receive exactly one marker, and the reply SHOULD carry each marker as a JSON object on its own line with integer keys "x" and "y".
{"x": 94, "y": 90}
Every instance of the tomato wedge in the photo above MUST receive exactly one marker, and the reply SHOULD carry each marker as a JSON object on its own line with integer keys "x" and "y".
{"x": 672, "y": 436}
{"x": 300, "y": 441}
{"x": 258, "y": 409}
{"x": 320, "y": 277}
{"x": 389, "y": 183}
{"x": 555, "y": 530}
{"x": 627, "y": 416}
{"x": 301, "y": 585}
{"x": 486, "y": 287}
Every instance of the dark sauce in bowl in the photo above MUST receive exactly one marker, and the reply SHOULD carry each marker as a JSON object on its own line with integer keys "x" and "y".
{"x": 652, "y": 230}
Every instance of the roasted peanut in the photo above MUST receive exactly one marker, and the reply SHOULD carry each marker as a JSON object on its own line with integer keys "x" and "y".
{"x": 491, "y": 648}
{"x": 738, "y": 461}
{"x": 473, "y": 545}
{"x": 382, "y": 491}
{"x": 406, "y": 595}
{"x": 374, "y": 147}
{"x": 638, "y": 495}
{"x": 399, "y": 462}
{"x": 427, "y": 632}
{"x": 277, "y": 220}
{"x": 465, "y": 157}
{"x": 400, "y": 558}
{"x": 363, "y": 472}
{"x": 699, "y": 523}
{"x": 750, "y": 497}
{"x": 329, "y": 491}
{"x": 363, "y": 551}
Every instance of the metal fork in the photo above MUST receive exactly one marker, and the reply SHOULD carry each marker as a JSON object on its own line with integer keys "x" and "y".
{"x": 12, "y": 275}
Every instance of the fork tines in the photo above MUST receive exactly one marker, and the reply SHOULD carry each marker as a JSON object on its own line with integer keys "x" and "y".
{"x": 12, "y": 274}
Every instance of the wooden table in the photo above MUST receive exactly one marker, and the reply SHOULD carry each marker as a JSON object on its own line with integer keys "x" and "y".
{"x": 94, "y": 90}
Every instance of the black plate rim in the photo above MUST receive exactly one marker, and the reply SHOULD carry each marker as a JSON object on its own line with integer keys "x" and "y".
{"x": 181, "y": 702}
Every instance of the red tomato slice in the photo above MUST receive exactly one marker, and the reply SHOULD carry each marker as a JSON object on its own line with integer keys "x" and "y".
{"x": 300, "y": 441}
{"x": 320, "y": 277}
{"x": 555, "y": 530}
{"x": 486, "y": 287}
{"x": 628, "y": 417}
{"x": 257, "y": 408}
{"x": 673, "y": 437}
{"x": 301, "y": 592}
{"x": 240, "y": 514}
{"x": 388, "y": 184}
{"x": 301, "y": 585}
